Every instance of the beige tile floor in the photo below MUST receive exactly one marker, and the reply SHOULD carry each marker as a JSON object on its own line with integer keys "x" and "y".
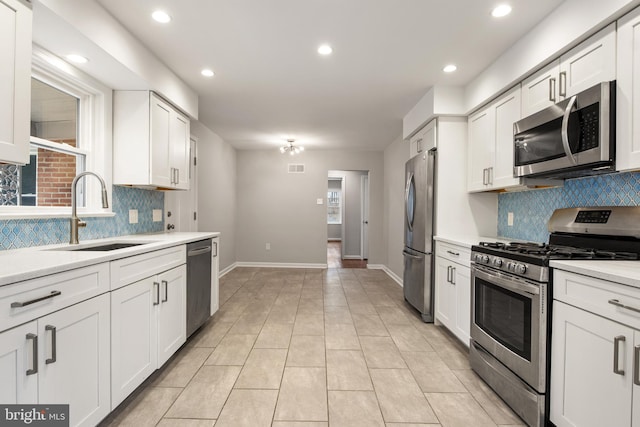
{"x": 312, "y": 348}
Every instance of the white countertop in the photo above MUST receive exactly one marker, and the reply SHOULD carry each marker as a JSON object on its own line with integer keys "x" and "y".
{"x": 625, "y": 272}
{"x": 468, "y": 241}
{"x": 28, "y": 263}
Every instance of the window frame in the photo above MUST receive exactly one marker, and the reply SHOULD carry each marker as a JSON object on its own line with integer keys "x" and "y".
{"x": 94, "y": 135}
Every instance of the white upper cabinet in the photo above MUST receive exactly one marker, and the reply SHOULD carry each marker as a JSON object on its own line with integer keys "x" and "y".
{"x": 490, "y": 162}
{"x": 628, "y": 93}
{"x": 15, "y": 81}
{"x": 591, "y": 62}
{"x": 150, "y": 142}
{"x": 423, "y": 140}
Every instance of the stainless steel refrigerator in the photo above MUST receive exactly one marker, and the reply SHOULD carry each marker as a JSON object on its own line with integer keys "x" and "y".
{"x": 418, "y": 233}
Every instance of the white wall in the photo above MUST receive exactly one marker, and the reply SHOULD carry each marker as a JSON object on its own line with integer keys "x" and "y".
{"x": 395, "y": 156}
{"x": 280, "y": 208}
{"x": 217, "y": 204}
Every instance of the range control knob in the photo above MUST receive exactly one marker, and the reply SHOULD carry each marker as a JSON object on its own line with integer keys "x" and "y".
{"x": 521, "y": 268}
{"x": 497, "y": 262}
{"x": 485, "y": 259}
{"x": 477, "y": 257}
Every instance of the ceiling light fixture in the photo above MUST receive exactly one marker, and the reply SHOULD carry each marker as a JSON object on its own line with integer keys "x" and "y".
{"x": 207, "y": 72}
{"x": 449, "y": 68}
{"x": 78, "y": 59}
{"x": 325, "y": 49}
{"x": 501, "y": 10}
{"x": 290, "y": 148}
{"x": 161, "y": 16}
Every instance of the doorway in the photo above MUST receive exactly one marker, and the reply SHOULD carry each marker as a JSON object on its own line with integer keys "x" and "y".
{"x": 347, "y": 218}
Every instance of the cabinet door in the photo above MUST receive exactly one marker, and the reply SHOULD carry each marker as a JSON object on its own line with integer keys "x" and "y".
{"x": 507, "y": 111}
{"x": 589, "y": 63}
{"x": 584, "y": 389}
{"x": 481, "y": 149}
{"x": 133, "y": 336}
{"x": 462, "y": 285}
{"x": 635, "y": 414}
{"x": 180, "y": 148}
{"x": 172, "y": 312}
{"x": 160, "y": 128}
{"x": 445, "y": 297}
{"x": 74, "y": 360}
{"x": 540, "y": 90}
{"x": 628, "y": 93}
{"x": 18, "y": 354}
{"x": 15, "y": 81}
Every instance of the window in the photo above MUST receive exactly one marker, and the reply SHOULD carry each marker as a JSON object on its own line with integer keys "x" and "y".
{"x": 334, "y": 202}
{"x": 70, "y": 114}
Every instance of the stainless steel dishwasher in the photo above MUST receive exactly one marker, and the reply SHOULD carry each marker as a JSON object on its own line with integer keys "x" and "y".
{"x": 198, "y": 284}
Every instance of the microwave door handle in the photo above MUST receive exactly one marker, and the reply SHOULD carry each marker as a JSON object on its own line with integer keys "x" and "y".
{"x": 565, "y": 131}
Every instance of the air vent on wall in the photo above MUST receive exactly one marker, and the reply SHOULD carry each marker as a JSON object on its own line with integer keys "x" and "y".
{"x": 296, "y": 168}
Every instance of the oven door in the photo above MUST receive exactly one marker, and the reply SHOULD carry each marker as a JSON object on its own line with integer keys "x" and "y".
{"x": 508, "y": 321}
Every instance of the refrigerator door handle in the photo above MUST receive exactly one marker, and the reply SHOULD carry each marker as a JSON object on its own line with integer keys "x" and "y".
{"x": 410, "y": 255}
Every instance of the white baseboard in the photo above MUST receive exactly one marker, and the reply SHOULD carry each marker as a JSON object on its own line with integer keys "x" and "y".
{"x": 229, "y": 269}
{"x": 387, "y": 270}
{"x": 279, "y": 265}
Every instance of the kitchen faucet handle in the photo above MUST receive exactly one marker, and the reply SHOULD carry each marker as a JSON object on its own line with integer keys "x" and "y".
{"x": 82, "y": 223}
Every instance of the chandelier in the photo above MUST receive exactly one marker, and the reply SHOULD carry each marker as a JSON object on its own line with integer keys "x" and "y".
{"x": 290, "y": 148}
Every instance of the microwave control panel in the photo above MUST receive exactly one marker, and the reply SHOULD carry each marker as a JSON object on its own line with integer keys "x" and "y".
{"x": 588, "y": 118}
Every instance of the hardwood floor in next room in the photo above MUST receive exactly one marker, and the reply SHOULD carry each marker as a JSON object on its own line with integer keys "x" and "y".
{"x": 334, "y": 257}
{"x": 312, "y": 348}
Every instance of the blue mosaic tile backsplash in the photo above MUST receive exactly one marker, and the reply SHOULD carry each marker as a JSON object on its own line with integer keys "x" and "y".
{"x": 22, "y": 233}
{"x": 532, "y": 209}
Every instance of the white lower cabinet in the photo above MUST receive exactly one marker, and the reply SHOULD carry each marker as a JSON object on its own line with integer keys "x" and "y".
{"x": 453, "y": 290}
{"x": 61, "y": 358}
{"x": 148, "y": 325}
{"x": 595, "y": 352}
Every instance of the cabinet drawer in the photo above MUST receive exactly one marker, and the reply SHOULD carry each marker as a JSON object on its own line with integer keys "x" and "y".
{"x": 45, "y": 295}
{"x": 132, "y": 269}
{"x": 598, "y": 296}
{"x": 455, "y": 253}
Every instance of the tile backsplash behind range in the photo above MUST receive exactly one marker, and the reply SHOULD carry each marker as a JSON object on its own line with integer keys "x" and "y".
{"x": 22, "y": 233}
{"x": 532, "y": 209}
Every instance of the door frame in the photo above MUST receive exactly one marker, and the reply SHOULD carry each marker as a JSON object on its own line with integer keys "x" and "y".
{"x": 364, "y": 216}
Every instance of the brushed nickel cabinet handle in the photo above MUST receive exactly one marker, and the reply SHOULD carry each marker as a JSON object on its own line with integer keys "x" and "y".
{"x": 34, "y": 367}
{"x": 552, "y": 89}
{"x": 18, "y": 304}
{"x": 156, "y": 287}
{"x": 166, "y": 291}
{"x": 636, "y": 365}
{"x": 453, "y": 253}
{"x": 563, "y": 84}
{"x": 453, "y": 275}
{"x": 616, "y": 354}
{"x": 54, "y": 344}
{"x": 617, "y": 303}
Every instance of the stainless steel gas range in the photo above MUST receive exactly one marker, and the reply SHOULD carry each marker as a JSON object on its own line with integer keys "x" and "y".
{"x": 512, "y": 293}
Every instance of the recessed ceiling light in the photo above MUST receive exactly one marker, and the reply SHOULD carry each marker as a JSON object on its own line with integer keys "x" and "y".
{"x": 325, "y": 49}
{"x": 207, "y": 72}
{"x": 78, "y": 59}
{"x": 161, "y": 16}
{"x": 501, "y": 10}
{"x": 449, "y": 68}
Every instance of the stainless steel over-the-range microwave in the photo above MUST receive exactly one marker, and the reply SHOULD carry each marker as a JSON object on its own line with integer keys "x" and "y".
{"x": 574, "y": 137}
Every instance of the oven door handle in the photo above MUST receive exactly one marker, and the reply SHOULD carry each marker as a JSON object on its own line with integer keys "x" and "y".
{"x": 502, "y": 280}
{"x": 565, "y": 131}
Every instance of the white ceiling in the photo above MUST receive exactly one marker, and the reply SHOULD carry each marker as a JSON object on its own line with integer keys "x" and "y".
{"x": 271, "y": 84}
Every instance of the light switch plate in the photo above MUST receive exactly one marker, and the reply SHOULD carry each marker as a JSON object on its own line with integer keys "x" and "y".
{"x": 157, "y": 215}
{"x": 133, "y": 216}
{"x": 510, "y": 219}
{"x": 319, "y": 201}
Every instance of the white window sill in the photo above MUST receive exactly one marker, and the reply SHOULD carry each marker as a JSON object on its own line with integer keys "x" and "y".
{"x": 8, "y": 213}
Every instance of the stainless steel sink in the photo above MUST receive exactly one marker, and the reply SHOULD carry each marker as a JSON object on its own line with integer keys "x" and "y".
{"x": 104, "y": 247}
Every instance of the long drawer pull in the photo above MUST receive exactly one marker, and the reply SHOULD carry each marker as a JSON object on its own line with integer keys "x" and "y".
{"x": 166, "y": 291}
{"x": 616, "y": 354}
{"x": 617, "y": 303}
{"x": 449, "y": 268}
{"x": 454, "y": 253}
{"x": 54, "y": 345}
{"x": 636, "y": 365}
{"x": 34, "y": 368}
{"x": 35, "y": 300}
{"x": 156, "y": 288}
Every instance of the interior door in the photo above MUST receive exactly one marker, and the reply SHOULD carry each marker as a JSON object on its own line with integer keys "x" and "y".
{"x": 364, "y": 194}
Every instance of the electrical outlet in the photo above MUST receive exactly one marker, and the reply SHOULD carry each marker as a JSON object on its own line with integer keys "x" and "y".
{"x": 157, "y": 215}
{"x": 268, "y": 246}
{"x": 319, "y": 201}
{"x": 133, "y": 216}
{"x": 510, "y": 219}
